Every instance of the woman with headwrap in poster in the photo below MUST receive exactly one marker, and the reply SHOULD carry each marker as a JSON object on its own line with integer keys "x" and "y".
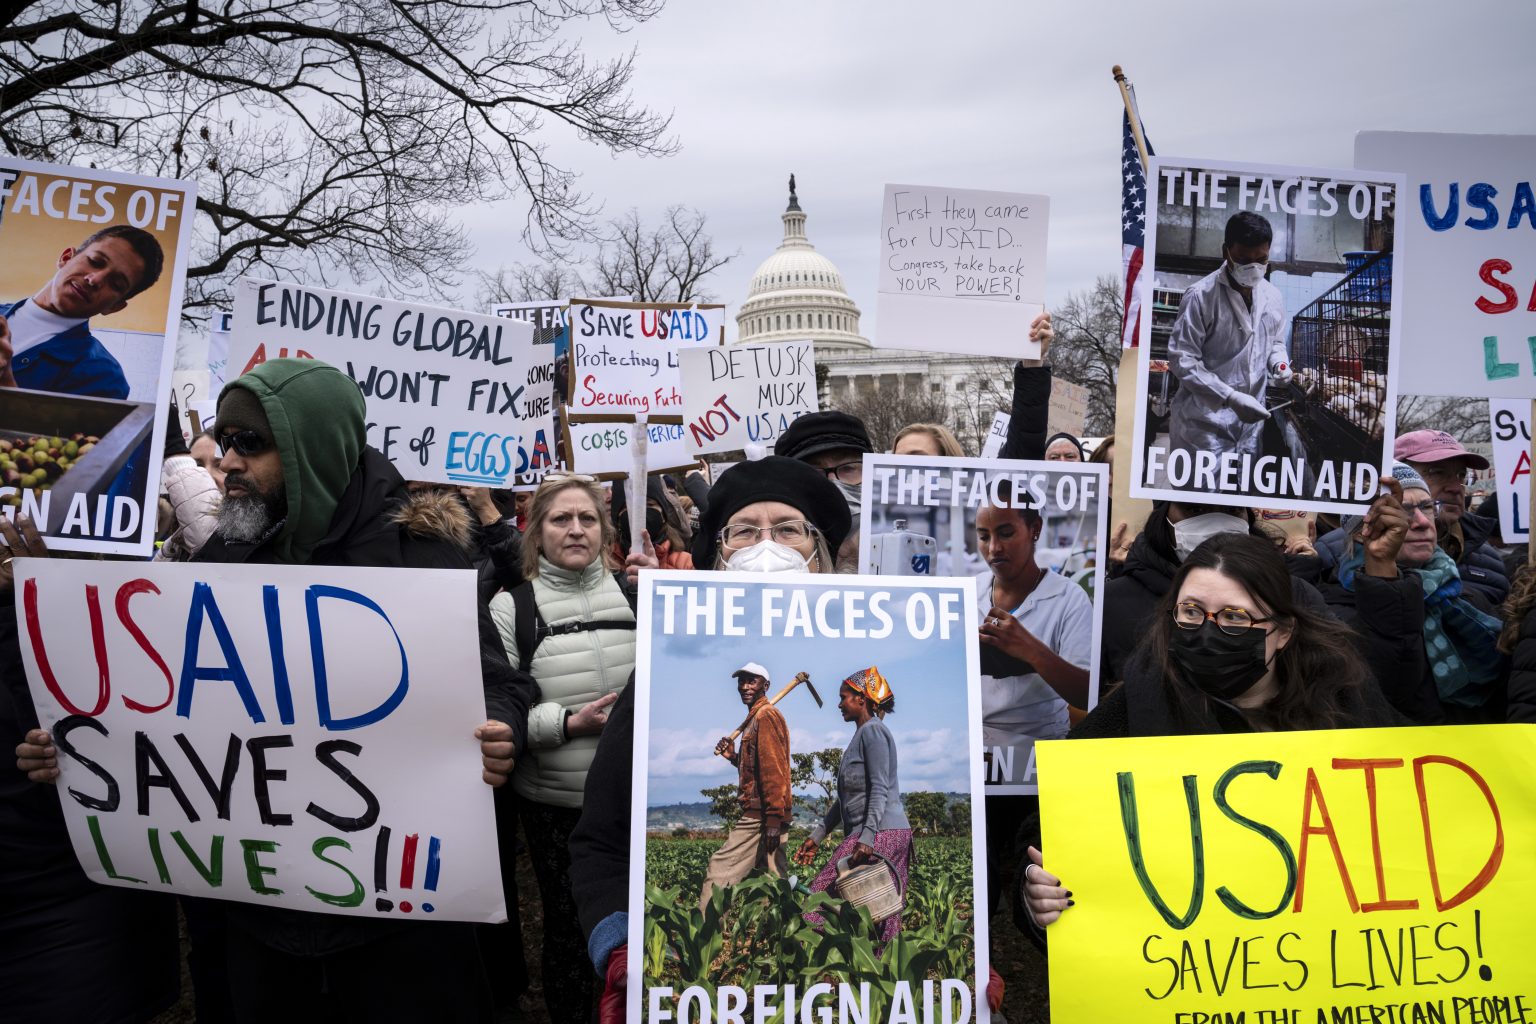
{"x": 868, "y": 804}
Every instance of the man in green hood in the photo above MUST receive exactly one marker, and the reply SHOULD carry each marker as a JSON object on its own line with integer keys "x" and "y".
{"x": 304, "y": 488}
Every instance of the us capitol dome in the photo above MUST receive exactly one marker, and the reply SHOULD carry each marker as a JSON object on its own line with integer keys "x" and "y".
{"x": 798, "y": 294}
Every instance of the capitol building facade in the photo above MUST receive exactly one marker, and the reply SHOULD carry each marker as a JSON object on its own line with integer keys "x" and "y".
{"x": 797, "y": 293}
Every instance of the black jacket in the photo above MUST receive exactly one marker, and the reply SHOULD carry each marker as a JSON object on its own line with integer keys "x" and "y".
{"x": 600, "y": 842}
{"x": 378, "y": 523}
{"x": 1031, "y": 409}
{"x": 1522, "y": 673}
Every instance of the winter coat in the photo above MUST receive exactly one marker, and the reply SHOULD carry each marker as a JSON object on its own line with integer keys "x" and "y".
{"x": 600, "y": 842}
{"x": 1388, "y": 617}
{"x": 570, "y": 669}
{"x": 195, "y": 498}
{"x": 1522, "y": 675}
{"x": 1481, "y": 566}
{"x": 1029, "y": 411}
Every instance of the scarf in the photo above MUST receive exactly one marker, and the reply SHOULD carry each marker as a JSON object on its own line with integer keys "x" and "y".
{"x": 1460, "y": 640}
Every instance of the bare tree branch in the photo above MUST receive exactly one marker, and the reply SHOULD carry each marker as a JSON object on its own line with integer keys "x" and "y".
{"x": 329, "y": 137}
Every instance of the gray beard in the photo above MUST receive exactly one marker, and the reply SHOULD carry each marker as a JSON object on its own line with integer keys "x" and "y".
{"x": 244, "y": 520}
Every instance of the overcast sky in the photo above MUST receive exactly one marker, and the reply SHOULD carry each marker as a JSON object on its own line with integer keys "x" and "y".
{"x": 1018, "y": 96}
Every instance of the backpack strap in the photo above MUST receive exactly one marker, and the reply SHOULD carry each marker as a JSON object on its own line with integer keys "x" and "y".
{"x": 531, "y": 630}
{"x": 628, "y": 591}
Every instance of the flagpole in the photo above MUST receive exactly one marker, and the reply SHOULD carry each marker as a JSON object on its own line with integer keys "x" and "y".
{"x": 1132, "y": 114}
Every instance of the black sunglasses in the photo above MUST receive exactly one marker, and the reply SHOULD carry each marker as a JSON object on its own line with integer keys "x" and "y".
{"x": 245, "y": 443}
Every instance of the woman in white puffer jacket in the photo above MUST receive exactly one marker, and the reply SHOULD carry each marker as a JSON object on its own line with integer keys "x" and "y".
{"x": 572, "y": 627}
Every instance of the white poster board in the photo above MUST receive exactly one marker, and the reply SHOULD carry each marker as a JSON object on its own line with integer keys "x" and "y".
{"x": 1467, "y": 227}
{"x": 623, "y": 358}
{"x": 737, "y": 395}
{"x": 218, "y": 350}
{"x": 1510, "y": 422}
{"x": 291, "y": 736}
{"x": 1069, "y": 408}
{"x": 453, "y": 397}
{"x": 997, "y": 435}
{"x": 695, "y": 630}
{"x": 605, "y": 449}
{"x": 921, "y": 518}
{"x": 83, "y": 416}
{"x": 961, "y": 270}
{"x": 1293, "y": 406}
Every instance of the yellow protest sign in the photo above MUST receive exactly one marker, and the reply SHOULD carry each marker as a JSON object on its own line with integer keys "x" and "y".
{"x": 1380, "y": 876}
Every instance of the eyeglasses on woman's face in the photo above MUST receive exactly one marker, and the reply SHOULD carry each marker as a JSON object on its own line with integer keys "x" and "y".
{"x": 1235, "y": 621}
{"x": 793, "y": 533}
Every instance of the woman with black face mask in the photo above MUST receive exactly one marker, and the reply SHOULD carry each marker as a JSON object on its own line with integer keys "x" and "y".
{"x": 1229, "y": 650}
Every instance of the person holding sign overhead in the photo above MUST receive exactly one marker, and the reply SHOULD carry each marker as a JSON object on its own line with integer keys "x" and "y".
{"x": 1228, "y": 335}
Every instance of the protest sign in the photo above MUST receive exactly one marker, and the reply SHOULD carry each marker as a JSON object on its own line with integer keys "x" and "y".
{"x": 603, "y": 449}
{"x": 961, "y": 270}
{"x": 453, "y": 397}
{"x": 738, "y": 395}
{"x": 1005, "y": 525}
{"x": 623, "y": 358}
{"x": 292, "y": 736}
{"x": 1468, "y": 224}
{"x": 544, "y": 314}
{"x": 997, "y": 435}
{"x": 1510, "y": 420}
{"x": 713, "y": 939}
{"x": 88, "y": 388}
{"x": 1069, "y": 408}
{"x": 218, "y": 351}
{"x": 1282, "y": 392}
{"x": 1348, "y": 877}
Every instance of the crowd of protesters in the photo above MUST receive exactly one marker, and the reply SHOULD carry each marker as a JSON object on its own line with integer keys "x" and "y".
{"x": 1406, "y": 615}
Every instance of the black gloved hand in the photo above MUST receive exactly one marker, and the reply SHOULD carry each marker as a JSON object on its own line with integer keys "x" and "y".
{"x": 175, "y": 443}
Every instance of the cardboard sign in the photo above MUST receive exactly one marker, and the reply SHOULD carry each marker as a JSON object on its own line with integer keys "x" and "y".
{"x": 623, "y": 358}
{"x": 604, "y": 449}
{"x": 1351, "y": 875}
{"x": 83, "y": 428}
{"x": 290, "y": 736}
{"x": 997, "y": 435}
{"x": 1510, "y": 422}
{"x": 692, "y": 939}
{"x": 453, "y": 397}
{"x": 1284, "y": 395}
{"x": 1468, "y": 223}
{"x": 1069, "y": 408}
{"x": 921, "y": 516}
{"x": 961, "y": 270}
{"x": 745, "y": 394}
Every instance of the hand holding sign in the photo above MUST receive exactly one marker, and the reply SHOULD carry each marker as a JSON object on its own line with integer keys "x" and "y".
{"x": 20, "y": 540}
{"x": 498, "y": 753}
{"x": 645, "y": 559}
{"x": 38, "y": 757}
{"x": 1041, "y": 333}
{"x": 1385, "y": 529}
{"x": 1043, "y": 891}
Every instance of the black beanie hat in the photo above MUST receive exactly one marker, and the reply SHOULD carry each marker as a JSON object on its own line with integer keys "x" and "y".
{"x": 775, "y": 478}
{"x": 818, "y": 432}
{"x": 240, "y": 409}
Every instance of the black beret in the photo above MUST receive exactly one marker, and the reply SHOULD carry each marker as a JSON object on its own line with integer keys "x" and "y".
{"x": 818, "y": 432}
{"x": 774, "y": 478}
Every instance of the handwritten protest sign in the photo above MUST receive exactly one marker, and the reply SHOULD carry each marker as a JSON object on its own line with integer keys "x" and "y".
{"x": 1283, "y": 396}
{"x": 453, "y": 397}
{"x": 623, "y": 359}
{"x": 292, "y": 736}
{"x": 961, "y": 270}
{"x": 1069, "y": 408}
{"x": 1346, "y": 877}
{"x": 694, "y": 941}
{"x": 1468, "y": 222}
{"x": 603, "y": 449}
{"x": 997, "y": 435}
{"x": 1510, "y": 420}
{"x": 927, "y": 516}
{"x": 82, "y": 425}
{"x": 745, "y": 394}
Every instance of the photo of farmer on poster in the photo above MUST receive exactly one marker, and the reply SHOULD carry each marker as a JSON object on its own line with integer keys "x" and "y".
{"x": 90, "y": 299}
{"x": 1028, "y": 534}
{"x": 1270, "y": 376}
{"x": 805, "y": 838}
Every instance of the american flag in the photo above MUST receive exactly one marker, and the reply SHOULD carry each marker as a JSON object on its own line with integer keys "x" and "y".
{"x": 1133, "y": 223}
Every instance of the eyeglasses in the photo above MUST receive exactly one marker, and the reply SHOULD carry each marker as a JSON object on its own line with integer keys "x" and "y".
{"x": 791, "y": 534}
{"x": 847, "y": 472}
{"x": 561, "y": 475}
{"x": 244, "y": 443}
{"x": 1233, "y": 621}
{"x": 1429, "y": 509}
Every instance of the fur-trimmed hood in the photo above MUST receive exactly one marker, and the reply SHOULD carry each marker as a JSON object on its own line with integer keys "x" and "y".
{"x": 437, "y": 514}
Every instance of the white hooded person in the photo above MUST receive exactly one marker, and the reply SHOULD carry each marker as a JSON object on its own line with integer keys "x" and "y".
{"x": 1228, "y": 341}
